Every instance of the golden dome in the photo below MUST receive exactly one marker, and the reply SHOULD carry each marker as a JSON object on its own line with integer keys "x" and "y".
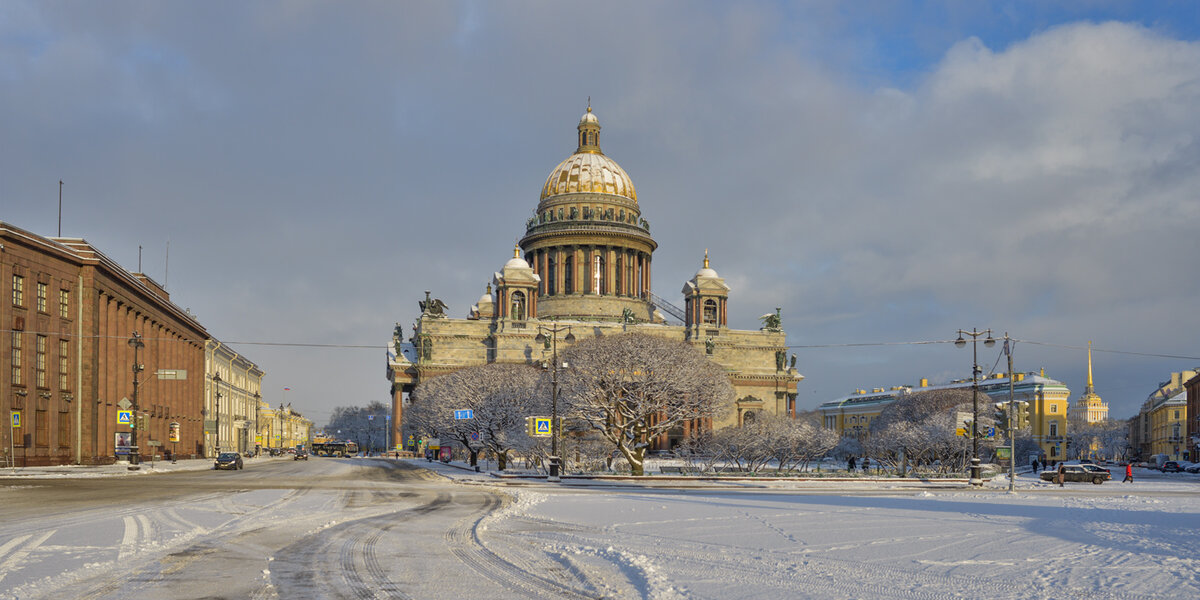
{"x": 589, "y": 170}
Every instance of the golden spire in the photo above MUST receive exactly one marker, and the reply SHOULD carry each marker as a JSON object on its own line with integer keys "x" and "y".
{"x": 706, "y": 258}
{"x": 517, "y": 250}
{"x": 1089, "y": 391}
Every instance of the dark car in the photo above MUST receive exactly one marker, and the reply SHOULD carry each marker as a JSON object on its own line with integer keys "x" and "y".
{"x": 1170, "y": 467}
{"x": 229, "y": 460}
{"x": 301, "y": 455}
{"x": 1084, "y": 472}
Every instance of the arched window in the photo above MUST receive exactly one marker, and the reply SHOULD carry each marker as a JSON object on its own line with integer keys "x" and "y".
{"x": 748, "y": 417}
{"x": 710, "y": 311}
{"x": 518, "y": 306}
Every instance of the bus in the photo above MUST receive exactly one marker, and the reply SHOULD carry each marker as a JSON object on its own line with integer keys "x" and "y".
{"x": 340, "y": 449}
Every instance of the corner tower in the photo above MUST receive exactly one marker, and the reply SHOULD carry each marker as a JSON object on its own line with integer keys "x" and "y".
{"x": 587, "y": 240}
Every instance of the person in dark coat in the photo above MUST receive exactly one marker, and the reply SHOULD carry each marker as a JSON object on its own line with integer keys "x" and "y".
{"x": 850, "y": 464}
{"x": 866, "y": 464}
{"x": 1128, "y": 473}
{"x": 1062, "y": 474}
{"x": 1035, "y": 466}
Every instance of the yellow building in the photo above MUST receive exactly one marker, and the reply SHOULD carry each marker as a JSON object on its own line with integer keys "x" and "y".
{"x": 282, "y": 427}
{"x": 1046, "y": 400}
{"x": 1168, "y": 426}
{"x": 584, "y": 266}
{"x": 1089, "y": 408}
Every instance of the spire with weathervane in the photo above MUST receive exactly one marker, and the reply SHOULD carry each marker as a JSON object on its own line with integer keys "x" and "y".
{"x": 1090, "y": 408}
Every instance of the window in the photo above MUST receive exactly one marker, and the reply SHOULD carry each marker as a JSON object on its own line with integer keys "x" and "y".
{"x": 16, "y": 358}
{"x": 64, "y": 429}
{"x": 1053, "y": 408}
{"x": 1053, "y": 428}
{"x": 18, "y": 290}
{"x": 710, "y": 311}
{"x": 569, "y": 275}
{"x": 551, "y": 281}
{"x": 64, "y": 303}
{"x": 64, "y": 365}
{"x": 42, "y": 428}
{"x": 40, "y": 361}
{"x": 41, "y": 297}
{"x": 1176, "y": 414}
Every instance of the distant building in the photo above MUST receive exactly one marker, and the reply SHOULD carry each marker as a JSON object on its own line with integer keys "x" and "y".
{"x": 1193, "y": 422}
{"x": 584, "y": 265}
{"x": 1089, "y": 408}
{"x": 283, "y": 427}
{"x": 1047, "y": 406}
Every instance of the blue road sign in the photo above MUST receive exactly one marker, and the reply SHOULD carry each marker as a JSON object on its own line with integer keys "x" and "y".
{"x": 464, "y": 414}
{"x": 124, "y": 417}
{"x": 541, "y": 426}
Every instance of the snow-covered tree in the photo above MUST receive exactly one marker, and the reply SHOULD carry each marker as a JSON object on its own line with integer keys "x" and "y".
{"x": 632, "y": 388}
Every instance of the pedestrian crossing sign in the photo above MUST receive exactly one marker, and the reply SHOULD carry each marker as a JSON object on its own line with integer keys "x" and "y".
{"x": 538, "y": 426}
{"x": 124, "y": 417}
{"x": 16, "y": 419}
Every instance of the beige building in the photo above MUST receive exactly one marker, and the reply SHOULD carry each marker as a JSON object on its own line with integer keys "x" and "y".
{"x": 231, "y": 404}
{"x": 584, "y": 266}
{"x": 1045, "y": 411}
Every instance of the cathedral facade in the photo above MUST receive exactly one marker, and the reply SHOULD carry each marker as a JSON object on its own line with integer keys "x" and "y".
{"x": 584, "y": 267}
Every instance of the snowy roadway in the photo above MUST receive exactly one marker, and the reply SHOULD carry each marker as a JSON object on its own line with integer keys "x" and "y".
{"x": 358, "y": 528}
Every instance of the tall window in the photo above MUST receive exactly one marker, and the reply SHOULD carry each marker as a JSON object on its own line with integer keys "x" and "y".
{"x": 1053, "y": 428}
{"x": 40, "y": 360}
{"x": 18, "y": 290}
{"x": 64, "y": 430}
{"x": 41, "y": 297}
{"x": 64, "y": 365}
{"x": 551, "y": 280}
{"x": 710, "y": 311}
{"x": 42, "y": 428}
{"x": 569, "y": 275}
{"x": 16, "y": 358}
{"x": 64, "y": 303}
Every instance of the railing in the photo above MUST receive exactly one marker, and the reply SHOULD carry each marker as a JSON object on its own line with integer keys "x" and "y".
{"x": 609, "y": 226}
{"x": 671, "y": 309}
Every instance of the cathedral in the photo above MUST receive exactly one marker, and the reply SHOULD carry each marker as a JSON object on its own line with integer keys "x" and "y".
{"x": 583, "y": 267}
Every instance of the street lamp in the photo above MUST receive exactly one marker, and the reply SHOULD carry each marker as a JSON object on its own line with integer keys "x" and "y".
{"x": 541, "y": 339}
{"x": 280, "y": 413}
{"x": 216, "y": 380}
{"x": 989, "y": 342}
{"x": 137, "y": 344}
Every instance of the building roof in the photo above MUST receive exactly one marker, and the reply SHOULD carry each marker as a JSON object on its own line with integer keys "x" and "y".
{"x": 588, "y": 170}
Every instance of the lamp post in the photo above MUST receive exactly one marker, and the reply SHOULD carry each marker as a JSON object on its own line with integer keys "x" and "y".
{"x": 280, "y": 413}
{"x": 257, "y": 431}
{"x": 989, "y": 342}
{"x": 137, "y": 344}
{"x": 541, "y": 339}
{"x": 216, "y": 381}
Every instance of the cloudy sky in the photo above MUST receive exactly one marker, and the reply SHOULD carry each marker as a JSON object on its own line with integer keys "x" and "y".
{"x": 885, "y": 172}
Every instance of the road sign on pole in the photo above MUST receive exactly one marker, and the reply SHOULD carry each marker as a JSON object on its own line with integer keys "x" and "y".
{"x": 464, "y": 414}
{"x": 16, "y": 419}
{"x": 124, "y": 417}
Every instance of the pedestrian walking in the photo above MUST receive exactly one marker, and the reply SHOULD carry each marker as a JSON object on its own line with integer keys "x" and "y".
{"x": 1062, "y": 475}
{"x": 1035, "y": 466}
{"x": 850, "y": 464}
{"x": 866, "y": 464}
{"x": 1128, "y": 473}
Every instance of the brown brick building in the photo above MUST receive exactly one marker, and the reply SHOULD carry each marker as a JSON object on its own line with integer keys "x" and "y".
{"x": 1193, "y": 412}
{"x": 66, "y": 362}
{"x": 584, "y": 263}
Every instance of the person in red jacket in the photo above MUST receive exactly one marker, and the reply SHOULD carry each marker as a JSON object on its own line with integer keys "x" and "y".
{"x": 1128, "y": 473}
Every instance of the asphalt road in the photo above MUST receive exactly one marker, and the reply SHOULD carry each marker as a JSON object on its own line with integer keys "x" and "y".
{"x": 323, "y": 528}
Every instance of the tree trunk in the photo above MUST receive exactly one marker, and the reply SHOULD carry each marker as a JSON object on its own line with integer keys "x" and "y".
{"x": 474, "y": 457}
{"x": 501, "y": 460}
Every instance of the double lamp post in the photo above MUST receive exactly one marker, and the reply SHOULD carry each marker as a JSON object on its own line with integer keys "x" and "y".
{"x": 555, "y": 461}
{"x": 989, "y": 342}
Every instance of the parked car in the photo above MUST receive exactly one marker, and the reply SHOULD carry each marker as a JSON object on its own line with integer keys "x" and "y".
{"x": 229, "y": 460}
{"x": 1170, "y": 467}
{"x": 1083, "y": 472}
{"x": 301, "y": 455}
{"x": 1194, "y": 468}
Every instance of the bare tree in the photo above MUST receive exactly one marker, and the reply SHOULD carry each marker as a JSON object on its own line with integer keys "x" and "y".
{"x": 921, "y": 428}
{"x": 500, "y": 397}
{"x": 632, "y": 388}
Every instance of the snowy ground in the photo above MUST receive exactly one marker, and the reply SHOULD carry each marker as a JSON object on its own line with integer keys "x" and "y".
{"x": 351, "y": 529}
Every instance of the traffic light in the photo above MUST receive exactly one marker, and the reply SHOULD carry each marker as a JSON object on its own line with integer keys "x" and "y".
{"x": 141, "y": 423}
{"x": 1001, "y": 416}
{"x": 1024, "y": 414}
{"x": 529, "y": 427}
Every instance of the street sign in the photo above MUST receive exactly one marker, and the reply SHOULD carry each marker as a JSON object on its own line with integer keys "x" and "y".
{"x": 124, "y": 417}
{"x": 16, "y": 419}
{"x": 474, "y": 436}
{"x": 541, "y": 426}
{"x": 172, "y": 374}
{"x": 124, "y": 404}
{"x": 464, "y": 414}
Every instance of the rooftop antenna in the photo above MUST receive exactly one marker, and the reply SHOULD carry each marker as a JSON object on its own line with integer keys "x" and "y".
{"x": 139, "y": 258}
